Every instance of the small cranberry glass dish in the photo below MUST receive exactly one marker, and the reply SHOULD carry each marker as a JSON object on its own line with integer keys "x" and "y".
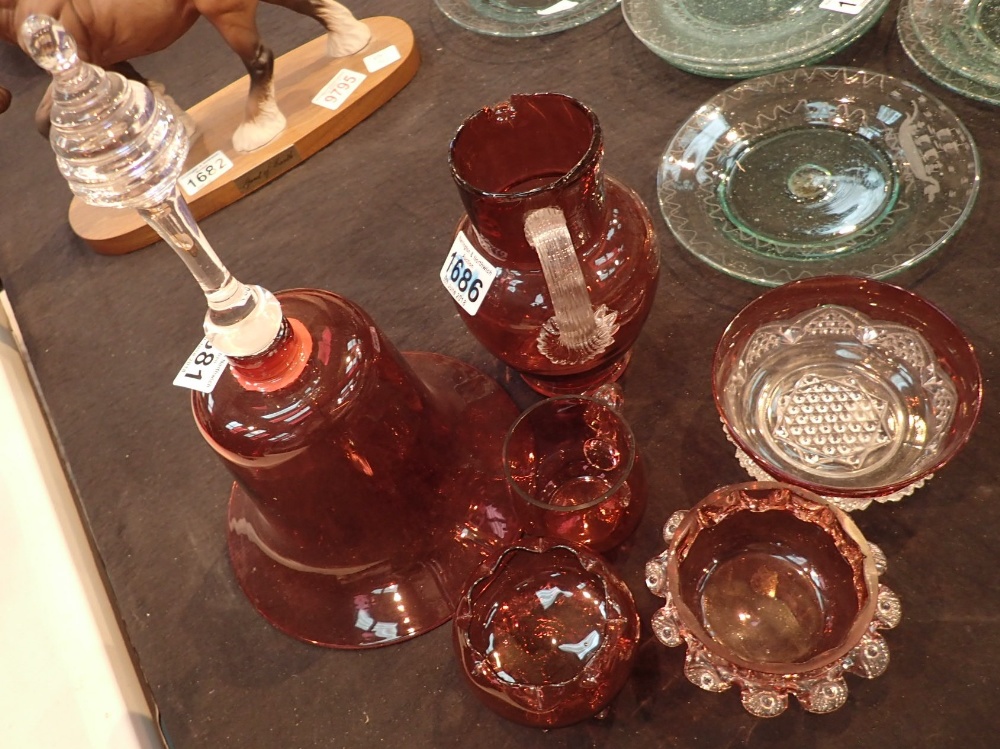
{"x": 546, "y": 633}
{"x": 572, "y": 466}
{"x": 774, "y": 591}
{"x": 849, "y": 387}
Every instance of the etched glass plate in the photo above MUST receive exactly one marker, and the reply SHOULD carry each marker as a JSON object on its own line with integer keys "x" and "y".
{"x": 518, "y": 18}
{"x": 934, "y": 69}
{"x": 739, "y": 39}
{"x": 962, "y": 35}
{"x": 818, "y": 171}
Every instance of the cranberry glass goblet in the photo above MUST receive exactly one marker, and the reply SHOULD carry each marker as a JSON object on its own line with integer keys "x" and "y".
{"x": 852, "y": 388}
{"x": 573, "y": 464}
{"x": 546, "y": 633}
{"x": 774, "y": 591}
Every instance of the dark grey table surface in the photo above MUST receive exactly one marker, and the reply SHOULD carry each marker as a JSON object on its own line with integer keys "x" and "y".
{"x": 371, "y": 217}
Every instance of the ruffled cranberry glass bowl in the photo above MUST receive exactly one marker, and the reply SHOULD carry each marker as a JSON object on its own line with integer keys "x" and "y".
{"x": 546, "y": 633}
{"x": 773, "y": 591}
{"x": 849, "y": 387}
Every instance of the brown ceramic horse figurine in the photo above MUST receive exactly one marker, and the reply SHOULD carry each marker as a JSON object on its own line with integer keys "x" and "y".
{"x": 109, "y": 33}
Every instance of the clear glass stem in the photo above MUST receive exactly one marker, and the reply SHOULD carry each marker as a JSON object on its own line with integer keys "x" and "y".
{"x": 242, "y": 320}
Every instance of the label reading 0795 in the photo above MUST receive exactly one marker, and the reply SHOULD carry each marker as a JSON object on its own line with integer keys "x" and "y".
{"x": 466, "y": 274}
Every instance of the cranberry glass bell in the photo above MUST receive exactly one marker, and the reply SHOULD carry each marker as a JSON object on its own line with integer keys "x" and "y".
{"x": 368, "y": 483}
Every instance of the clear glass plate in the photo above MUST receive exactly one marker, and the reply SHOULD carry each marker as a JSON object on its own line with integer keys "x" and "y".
{"x": 962, "y": 35}
{"x": 818, "y": 171}
{"x": 516, "y": 18}
{"x": 734, "y": 39}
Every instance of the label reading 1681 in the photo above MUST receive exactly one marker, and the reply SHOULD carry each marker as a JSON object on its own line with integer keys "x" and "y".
{"x": 203, "y": 369}
{"x": 466, "y": 274}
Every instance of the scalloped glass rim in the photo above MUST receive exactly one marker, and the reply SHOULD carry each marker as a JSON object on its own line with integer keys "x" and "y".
{"x": 893, "y": 304}
{"x": 948, "y": 33}
{"x": 687, "y": 183}
{"x": 479, "y": 16}
{"x": 746, "y": 50}
{"x": 807, "y": 507}
{"x": 934, "y": 69}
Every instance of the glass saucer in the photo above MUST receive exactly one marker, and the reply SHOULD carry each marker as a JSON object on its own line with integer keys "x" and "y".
{"x": 730, "y": 39}
{"x": 517, "y": 18}
{"x": 935, "y": 69}
{"x": 818, "y": 171}
{"x": 962, "y": 35}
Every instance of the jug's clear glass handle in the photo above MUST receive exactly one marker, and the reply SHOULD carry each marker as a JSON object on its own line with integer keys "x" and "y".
{"x": 576, "y": 333}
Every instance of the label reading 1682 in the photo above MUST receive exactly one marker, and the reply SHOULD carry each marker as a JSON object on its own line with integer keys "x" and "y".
{"x": 204, "y": 173}
{"x": 466, "y": 274}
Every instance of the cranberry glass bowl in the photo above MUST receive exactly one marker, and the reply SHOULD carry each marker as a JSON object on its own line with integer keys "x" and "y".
{"x": 852, "y": 388}
{"x": 774, "y": 591}
{"x": 546, "y": 633}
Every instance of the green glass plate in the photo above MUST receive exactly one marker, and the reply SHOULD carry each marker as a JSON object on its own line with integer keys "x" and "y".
{"x": 935, "y": 69}
{"x": 962, "y": 35}
{"x": 818, "y": 171}
{"x": 724, "y": 38}
{"x": 520, "y": 18}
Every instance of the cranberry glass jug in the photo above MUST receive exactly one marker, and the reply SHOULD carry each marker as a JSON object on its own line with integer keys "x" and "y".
{"x": 563, "y": 261}
{"x": 368, "y": 483}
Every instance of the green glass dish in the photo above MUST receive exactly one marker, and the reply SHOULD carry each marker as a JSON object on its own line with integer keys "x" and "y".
{"x": 934, "y": 69}
{"x": 742, "y": 39}
{"x": 521, "y": 18}
{"x": 962, "y": 35}
{"x": 818, "y": 171}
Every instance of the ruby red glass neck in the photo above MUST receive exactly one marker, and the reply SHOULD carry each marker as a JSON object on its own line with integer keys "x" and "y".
{"x": 530, "y": 152}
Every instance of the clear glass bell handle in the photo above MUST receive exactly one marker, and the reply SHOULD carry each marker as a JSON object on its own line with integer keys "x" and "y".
{"x": 118, "y": 146}
{"x": 242, "y": 320}
{"x": 49, "y": 44}
{"x": 577, "y": 333}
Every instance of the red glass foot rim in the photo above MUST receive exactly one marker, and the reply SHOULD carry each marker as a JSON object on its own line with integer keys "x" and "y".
{"x": 584, "y": 383}
{"x": 399, "y": 598}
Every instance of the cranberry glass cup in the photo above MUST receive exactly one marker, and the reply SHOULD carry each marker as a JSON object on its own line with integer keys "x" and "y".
{"x": 546, "y": 633}
{"x": 573, "y": 463}
{"x": 775, "y": 591}
{"x": 852, "y": 388}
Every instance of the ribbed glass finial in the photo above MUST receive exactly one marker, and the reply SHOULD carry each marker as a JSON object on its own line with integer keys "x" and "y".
{"x": 119, "y": 146}
{"x": 48, "y": 44}
{"x": 115, "y": 143}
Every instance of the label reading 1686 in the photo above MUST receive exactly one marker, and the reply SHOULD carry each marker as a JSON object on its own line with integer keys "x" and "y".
{"x": 466, "y": 274}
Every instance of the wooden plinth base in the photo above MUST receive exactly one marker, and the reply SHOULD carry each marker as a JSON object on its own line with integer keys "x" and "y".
{"x": 299, "y": 76}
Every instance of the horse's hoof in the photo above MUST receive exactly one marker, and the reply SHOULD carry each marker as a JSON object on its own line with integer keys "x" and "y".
{"x": 258, "y": 132}
{"x": 348, "y": 41}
